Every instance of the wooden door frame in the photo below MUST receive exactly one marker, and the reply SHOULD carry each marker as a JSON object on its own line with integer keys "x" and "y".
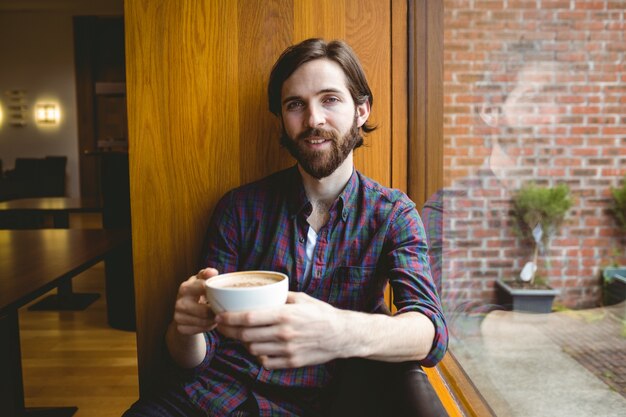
{"x": 425, "y": 144}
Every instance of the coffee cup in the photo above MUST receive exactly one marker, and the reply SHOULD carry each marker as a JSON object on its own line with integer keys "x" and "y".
{"x": 246, "y": 290}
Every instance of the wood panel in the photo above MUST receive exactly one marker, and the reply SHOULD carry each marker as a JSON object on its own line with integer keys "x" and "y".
{"x": 266, "y": 29}
{"x": 398, "y": 93}
{"x": 184, "y": 142}
{"x": 368, "y": 29}
{"x": 199, "y": 122}
{"x": 314, "y": 18}
{"x": 426, "y": 99}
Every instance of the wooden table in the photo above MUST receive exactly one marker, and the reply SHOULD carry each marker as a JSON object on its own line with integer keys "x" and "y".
{"x": 26, "y": 213}
{"x": 32, "y": 262}
{"x": 59, "y": 208}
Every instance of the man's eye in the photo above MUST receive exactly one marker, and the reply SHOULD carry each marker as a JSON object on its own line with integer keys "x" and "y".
{"x": 331, "y": 100}
{"x": 294, "y": 105}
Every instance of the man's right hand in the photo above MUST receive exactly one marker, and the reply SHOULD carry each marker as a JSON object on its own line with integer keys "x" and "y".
{"x": 192, "y": 317}
{"x": 192, "y": 314}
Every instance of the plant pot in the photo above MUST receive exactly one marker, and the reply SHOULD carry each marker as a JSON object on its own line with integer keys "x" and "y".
{"x": 614, "y": 285}
{"x": 529, "y": 300}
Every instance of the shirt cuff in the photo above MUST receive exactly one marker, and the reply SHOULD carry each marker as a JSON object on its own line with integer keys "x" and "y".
{"x": 212, "y": 340}
{"x": 440, "y": 341}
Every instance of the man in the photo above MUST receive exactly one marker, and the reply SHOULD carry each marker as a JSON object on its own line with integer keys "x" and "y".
{"x": 338, "y": 235}
{"x": 520, "y": 116}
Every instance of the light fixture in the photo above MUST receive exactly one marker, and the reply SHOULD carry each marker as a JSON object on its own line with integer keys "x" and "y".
{"x": 47, "y": 114}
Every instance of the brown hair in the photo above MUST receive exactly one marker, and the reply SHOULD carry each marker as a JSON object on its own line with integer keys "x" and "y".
{"x": 311, "y": 49}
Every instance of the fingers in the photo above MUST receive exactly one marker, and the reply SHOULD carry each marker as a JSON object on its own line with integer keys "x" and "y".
{"x": 207, "y": 273}
{"x": 299, "y": 297}
{"x": 279, "y": 362}
{"x": 279, "y": 333}
{"x": 191, "y": 312}
{"x": 264, "y": 317}
{"x": 191, "y": 330}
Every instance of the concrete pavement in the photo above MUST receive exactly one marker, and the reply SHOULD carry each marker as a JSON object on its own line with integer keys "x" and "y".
{"x": 570, "y": 363}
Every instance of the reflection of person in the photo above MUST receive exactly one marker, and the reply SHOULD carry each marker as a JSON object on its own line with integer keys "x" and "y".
{"x": 478, "y": 204}
{"x": 337, "y": 234}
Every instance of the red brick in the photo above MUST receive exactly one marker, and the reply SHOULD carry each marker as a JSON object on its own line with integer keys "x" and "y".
{"x": 610, "y": 130}
{"x": 570, "y": 99}
{"x": 589, "y": 5}
{"x": 585, "y": 151}
{"x": 569, "y": 162}
{"x": 463, "y": 99}
{"x": 616, "y": 25}
{"x": 572, "y": 15}
{"x": 456, "y": 109}
{"x": 522, "y": 4}
{"x": 601, "y": 120}
{"x": 470, "y": 141}
{"x": 569, "y": 141}
{"x": 575, "y": 36}
{"x": 551, "y": 172}
{"x": 603, "y": 78}
{"x": 555, "y": 4}
{"x": 489, "y": 4}
{"x": 614, "y": 172}
{"x": 584, "y": 130}
{"x": 589, "y": 25}
{"x": 455, "y": 130}
{"x": 604, "y": 36}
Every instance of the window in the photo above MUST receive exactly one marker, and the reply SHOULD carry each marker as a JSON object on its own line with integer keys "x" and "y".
{"x": 534, "y": 93}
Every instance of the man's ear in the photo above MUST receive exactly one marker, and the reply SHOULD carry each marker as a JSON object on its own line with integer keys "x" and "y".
{"x": 490, "y": 115}
{"x": 362, "y": 113}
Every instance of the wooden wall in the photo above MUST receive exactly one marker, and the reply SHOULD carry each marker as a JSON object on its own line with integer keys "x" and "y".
{"x": 199, "y": 122}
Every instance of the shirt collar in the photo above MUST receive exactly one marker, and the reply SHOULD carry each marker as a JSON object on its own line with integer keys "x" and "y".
{"x": 347, "y": 198}
{"x": 299, "y": 202}
{"x": 297, "y": 198}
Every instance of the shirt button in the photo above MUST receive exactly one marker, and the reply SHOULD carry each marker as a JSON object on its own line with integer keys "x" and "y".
{"x": 301, "y": 240}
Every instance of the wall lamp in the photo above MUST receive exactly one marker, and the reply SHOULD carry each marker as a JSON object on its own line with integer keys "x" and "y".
{"x": 47, "y": 114}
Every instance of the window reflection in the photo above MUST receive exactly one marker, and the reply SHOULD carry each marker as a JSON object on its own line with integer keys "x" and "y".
{"x": 534, "y": 93}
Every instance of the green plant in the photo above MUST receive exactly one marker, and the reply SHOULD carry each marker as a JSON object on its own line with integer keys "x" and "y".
{"x": 539, "y": 212}
{"x": 618, "y": 206}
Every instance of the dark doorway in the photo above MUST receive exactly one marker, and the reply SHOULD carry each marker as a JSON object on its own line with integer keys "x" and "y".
{"x": 101, "y": 97}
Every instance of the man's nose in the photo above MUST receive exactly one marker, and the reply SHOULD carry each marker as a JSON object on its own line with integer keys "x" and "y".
{"x": 315, "y": 117}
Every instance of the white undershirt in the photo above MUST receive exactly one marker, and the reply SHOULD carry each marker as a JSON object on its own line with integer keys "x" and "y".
{"x": 311, "y": 241}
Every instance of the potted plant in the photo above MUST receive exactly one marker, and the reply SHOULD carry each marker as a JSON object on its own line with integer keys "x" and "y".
{"x": 539, "y": 213}
{"x": 614, "y": 276}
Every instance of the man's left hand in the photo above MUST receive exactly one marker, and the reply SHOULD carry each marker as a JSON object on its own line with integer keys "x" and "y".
{"x": 305, "y": 331}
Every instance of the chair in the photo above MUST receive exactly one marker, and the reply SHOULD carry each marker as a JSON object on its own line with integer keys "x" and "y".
{"x": 35, "y": 177}
{"x": 373, "y": 389}
{"x": 53, "y": 176}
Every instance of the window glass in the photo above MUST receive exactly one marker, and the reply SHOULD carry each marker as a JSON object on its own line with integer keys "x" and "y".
{"x": 535, "y": 145}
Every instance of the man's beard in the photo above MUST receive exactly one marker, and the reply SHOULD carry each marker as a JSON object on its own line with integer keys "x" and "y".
{"x": 321, "y": 164}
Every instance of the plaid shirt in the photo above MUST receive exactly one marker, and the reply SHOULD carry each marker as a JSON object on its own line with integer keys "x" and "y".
{"x": 374, "y": 236}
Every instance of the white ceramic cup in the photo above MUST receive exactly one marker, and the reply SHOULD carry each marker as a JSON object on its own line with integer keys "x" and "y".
{"x": 246, "y": 290}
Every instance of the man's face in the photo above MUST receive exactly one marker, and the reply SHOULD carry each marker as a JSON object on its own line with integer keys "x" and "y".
{"x": 320, "y": 120}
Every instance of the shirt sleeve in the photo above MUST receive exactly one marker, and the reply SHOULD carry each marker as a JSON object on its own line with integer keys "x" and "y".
{"x": 409, "y": 275}
{"x": 219, "y": 252}
{"x": 212, "y": 339}
{"x": 432, "y": 215}
{"x": 221, "y": 242}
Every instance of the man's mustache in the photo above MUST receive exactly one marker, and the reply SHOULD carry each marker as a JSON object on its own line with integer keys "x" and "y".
{"x": 319, "y": 133}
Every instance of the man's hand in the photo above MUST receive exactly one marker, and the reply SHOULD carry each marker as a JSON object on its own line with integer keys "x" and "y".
{"x": 305, "y": 331}
{"x": 192, "y": 315}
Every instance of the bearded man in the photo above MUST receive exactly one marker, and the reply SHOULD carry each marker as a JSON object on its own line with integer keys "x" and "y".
{"x": 340, "y": 238}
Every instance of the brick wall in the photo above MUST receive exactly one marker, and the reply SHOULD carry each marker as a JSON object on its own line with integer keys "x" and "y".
{"x": 544, "y": 82}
